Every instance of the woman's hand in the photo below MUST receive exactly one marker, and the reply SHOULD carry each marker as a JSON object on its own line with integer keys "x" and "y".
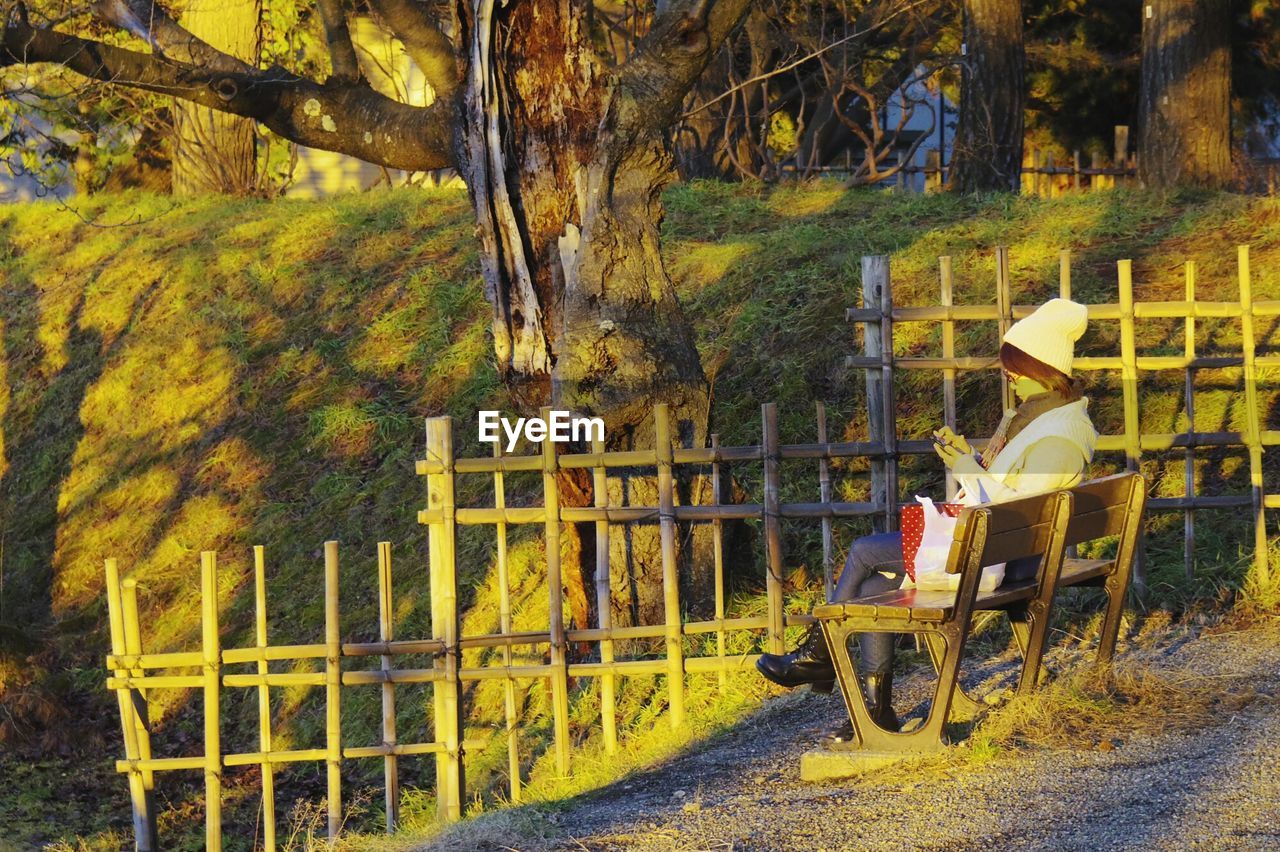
{"x": 950, "y": 455}
{"x": 948, "y": 436}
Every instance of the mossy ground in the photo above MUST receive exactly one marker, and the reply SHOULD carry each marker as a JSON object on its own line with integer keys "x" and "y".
{"x": 224, "y": 373}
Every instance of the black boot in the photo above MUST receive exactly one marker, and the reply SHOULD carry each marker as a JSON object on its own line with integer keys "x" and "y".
{"x": 810, "y": 663}
{"x": 879, "y": 691}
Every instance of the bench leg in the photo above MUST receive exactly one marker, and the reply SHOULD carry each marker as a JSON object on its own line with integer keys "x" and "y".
{"x": 866, "y": 733}
{"x": 1031, "y": 630}
{"x": 1116, "y": 587}
{"x": 963, "y": 705}
{"x": 868, "y": 736}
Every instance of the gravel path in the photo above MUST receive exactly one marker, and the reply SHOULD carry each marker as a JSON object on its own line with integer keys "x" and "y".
{"x": 1166, "y": 790}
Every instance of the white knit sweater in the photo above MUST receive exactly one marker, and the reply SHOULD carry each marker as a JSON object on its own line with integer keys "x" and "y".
{"x": 1052, "y": 452}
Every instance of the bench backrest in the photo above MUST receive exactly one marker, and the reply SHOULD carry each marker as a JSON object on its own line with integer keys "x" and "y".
{"x": 1108, "y": 506}
{"x": 1001, "y": 532}
{"x": 1046, "y": 524}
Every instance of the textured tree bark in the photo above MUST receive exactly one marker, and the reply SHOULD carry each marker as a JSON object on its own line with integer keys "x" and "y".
{"x": 988, "y": 145}
{"x": 214, "y": 151}
{"x": 1184, "y": 103}
{"x": 585, "y": 316}
{"x": 569, "y": 207}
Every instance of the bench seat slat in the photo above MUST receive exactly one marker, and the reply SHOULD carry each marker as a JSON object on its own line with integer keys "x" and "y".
{"x": 937, "y": 606}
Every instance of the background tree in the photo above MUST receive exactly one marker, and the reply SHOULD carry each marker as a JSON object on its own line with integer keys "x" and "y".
{"x": 988, "y": 147}
{"x": 215, "y": 151}
{"x": 1184, "y": 104}
{"x": 1081, "y": 71}
{"x": 806, "y": 83}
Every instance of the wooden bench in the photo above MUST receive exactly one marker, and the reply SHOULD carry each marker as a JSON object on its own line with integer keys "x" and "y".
{"x": 985, "y": 535}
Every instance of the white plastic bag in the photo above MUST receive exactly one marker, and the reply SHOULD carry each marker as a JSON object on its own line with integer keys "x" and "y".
{"x": 935, "y": 546}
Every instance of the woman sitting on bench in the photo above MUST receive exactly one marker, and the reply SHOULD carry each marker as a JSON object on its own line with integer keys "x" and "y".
{"x": 1046, "y": 444}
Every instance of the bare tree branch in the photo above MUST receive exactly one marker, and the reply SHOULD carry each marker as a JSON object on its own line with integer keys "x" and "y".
{"x": 346, "y": 118}
{"x": 683, "y": 38}
{"x": 342, "y": 53}
{"x": 151, "y": 23}
{"x": 426, "y": 45}
{"x": 860, "y": 33}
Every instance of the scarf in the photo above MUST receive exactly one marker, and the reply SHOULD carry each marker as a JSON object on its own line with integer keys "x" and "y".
{"x": 1017, "y": 419}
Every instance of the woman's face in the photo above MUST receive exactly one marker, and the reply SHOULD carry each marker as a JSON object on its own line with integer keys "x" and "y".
{"x": 1024, "y": 387}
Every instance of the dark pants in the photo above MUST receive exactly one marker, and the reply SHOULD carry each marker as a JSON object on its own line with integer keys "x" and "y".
{"x": 872, "y": 554}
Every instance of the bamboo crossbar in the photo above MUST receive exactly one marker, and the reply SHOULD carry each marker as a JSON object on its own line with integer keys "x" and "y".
{"x": 635, "y": 514}
{"x": 1084, "y": 363}
{"x": 648, "y": 458}
{"x": 1174, "y": 309}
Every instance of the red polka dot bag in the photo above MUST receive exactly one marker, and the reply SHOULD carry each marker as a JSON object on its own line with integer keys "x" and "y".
{"x": 911, "y": 522}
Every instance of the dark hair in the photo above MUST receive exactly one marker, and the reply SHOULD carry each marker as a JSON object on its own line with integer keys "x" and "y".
{"x": 1020, "y": 363}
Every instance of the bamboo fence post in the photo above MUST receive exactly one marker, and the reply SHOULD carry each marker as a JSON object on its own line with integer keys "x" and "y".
{"x": 670, "y": 568}
{"x": 555, "y": 589}
{"x": 386, "y": 633}
{"x": 504, "y": 623}
{"x": 874, "y": 271}
{"x": 332, "y": 688}
{"x": 948, "y": 352}
{"x": 1096, "y": 180}
{"x": 1189, "y": 396}
{"x": 133, "y": 647}
{"x": 212, "y": 728}
{"x": 446, "y": 689}
{"x": 1132, "y": 426}
{"x": 1005, "y": 310}
{"x": 717, "y": 544}
{"x": 824, "y": 493}
{"x": 140, "y": 796}
{"x": 772, "y": 528}
{"x": 604, "y": 604}
{"x": 1051, "y": 176}
{"x": 1075, "y": 169}
{"x": 1064, "y": 274}
{"x": 901, "y": 176}
{"x": 933, "y": 170}
{"x": 881, "y": 422}
{"x": 1253, "y": 438}
{"x": 264, "y": 698}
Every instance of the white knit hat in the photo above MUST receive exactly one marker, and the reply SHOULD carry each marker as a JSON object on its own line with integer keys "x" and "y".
{"x": 1050, "y": 333}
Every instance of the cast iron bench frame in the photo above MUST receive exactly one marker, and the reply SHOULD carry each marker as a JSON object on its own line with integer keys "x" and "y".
{"x": 986, "y": 535}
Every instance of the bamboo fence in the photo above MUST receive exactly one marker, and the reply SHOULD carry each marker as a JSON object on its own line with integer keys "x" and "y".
{"x": 686, "y": 649}
{"x": 135, "y": 672}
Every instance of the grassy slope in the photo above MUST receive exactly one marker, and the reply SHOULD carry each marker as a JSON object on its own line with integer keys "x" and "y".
{"x": 226, "y": 373}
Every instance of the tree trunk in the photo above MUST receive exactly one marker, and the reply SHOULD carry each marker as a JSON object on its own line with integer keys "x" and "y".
{"x": 214, "y": 151}
{"x": 988, "y": 146}
{"x": 585, "y": 316}
{"x": 1184, "y": 105}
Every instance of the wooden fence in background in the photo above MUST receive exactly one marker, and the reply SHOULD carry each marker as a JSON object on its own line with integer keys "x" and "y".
{"x": 135, "y": 672}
